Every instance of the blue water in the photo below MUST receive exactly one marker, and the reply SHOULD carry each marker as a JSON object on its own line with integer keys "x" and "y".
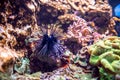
{"x": 117, "y": 10}
{"x": 115, "y": 7}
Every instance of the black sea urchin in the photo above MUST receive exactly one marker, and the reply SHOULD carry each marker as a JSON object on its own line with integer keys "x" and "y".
{"x": 48, "y": 52}
{"x": 49, "y": 47}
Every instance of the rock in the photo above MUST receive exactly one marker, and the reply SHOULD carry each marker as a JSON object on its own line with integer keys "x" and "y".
{"x": 7, "y": 58}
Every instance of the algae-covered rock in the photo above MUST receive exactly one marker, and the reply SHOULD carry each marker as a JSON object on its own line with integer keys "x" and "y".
{"x": 7, "y": 58}
{"x": 34, "y": 76}
{"x": 4, "y": 76}
{"x": 106, "y": 54}
{"x": 23, "y": 66}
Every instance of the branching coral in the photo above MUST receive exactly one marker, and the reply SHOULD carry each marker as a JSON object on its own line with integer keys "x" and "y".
{"x": 106, "y": 54}
{"x": 84, "y": 34}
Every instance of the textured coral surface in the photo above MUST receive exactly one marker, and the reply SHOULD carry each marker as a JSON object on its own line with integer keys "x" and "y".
{"x": 50, "y": 39}
{"x": 106, "y": 53}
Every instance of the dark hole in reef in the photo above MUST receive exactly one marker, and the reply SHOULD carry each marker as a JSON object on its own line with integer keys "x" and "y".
{"x": 72, "y": 45}
{"x": 77, "y": 3}
{"x": 47, "y": 15}
{"x": 65, "y": 26}
{"x": 101, "y": 19}
{"x": 37, "y": 65}
{"x": 1, "y": 37}
{"x": 84, "y": 5}
{"x": 117, "y": 28}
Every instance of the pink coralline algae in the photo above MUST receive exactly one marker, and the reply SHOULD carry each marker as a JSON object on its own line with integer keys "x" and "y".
{"x": 83, "y": 33}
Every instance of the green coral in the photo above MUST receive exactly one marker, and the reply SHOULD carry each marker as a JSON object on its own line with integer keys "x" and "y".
{"x": 23, "y": 66}
{"x": 105, "y": 76}
{"x": 4, "y": 76}
{"x": 86, "y": 76}
{"x": 106, "y": 54}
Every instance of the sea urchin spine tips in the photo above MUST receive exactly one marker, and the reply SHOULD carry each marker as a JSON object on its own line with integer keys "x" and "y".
{"x": 48, "y": 51}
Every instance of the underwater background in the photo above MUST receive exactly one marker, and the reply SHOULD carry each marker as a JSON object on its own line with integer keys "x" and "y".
{"x": 60, "y": 40}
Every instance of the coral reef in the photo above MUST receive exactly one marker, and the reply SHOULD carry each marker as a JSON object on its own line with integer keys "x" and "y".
{"x": 16, "y": 15}
{"x": 105, "y": 54}
{"x": 68, "y": 73}
{"x": 50, "y": 11}
{"x": 86, "y": 33}
{"x": 29, "y": 33}
{"x": 75, "y": 9}
{"x": 7, "y": 39}
{"x": 82, "y": 33}
{"x": 34, "y": 76}
{"x": 7, "y": 59}
{"x": 68, "y": 18}
{"x": 87, "y": 5}
{"x": 65, "y": 9}
{"x": 99, "y": 8}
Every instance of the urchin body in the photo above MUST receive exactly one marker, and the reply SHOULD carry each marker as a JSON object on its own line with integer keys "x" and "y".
{"x": 48, "y": 53}
{"x": 49, "y": 49}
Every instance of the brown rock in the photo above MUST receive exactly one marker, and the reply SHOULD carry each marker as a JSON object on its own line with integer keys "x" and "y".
{"x": 7, "y": 58}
